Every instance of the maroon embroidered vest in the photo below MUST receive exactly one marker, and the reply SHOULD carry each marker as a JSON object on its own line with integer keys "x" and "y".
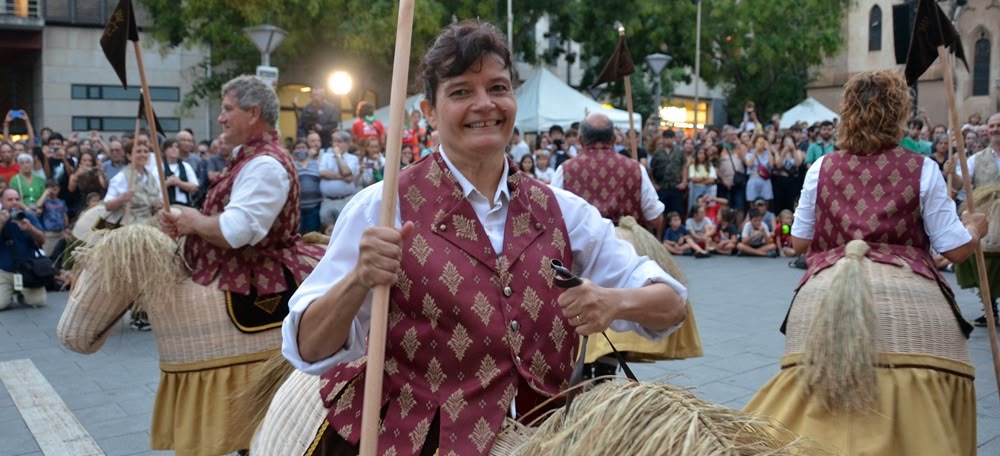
{"x": 607, "y": 180}
{"x": 468, "y": 330}
{"x": 260, "y": 266}
{"x": 875, "y": 198}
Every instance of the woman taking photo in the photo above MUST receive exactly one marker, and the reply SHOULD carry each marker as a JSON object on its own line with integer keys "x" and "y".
{"x": 86, "y": 179}
{"x": 785, "y": 175}
{"x": 475, "y": 296}
{"x": 876, "y": 357}
{"x": 759, "y": 161}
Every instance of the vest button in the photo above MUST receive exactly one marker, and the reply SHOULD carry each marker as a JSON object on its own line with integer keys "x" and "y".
{"x": 507, "y": 291}
{"x": 538, "y": 226}
{"x": 515, "y": 326}
{"x": 442, "y": 227}
{"x": 517, "y": 359}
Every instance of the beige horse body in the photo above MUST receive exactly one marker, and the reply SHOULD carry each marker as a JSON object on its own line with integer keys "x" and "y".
{"x": 614, "y": 418}
{"x": 203, "y": 356}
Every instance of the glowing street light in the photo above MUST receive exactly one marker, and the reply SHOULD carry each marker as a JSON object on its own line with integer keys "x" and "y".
{"x": 340, "y": 82}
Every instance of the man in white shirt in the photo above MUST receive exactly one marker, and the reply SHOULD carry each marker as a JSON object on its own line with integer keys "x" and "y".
{"x": 337, "y": 170}
{"x": 254, "y": 205}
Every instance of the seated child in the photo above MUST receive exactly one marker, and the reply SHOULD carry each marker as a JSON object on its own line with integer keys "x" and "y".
{"x": 701, "y": 229}
{"x": 727, "y": 235}
{"x": 677, "y": 239}
{"x": 713, "y": 206}
{"x": 756, "y": 239}
{"x": 782, "y": 233}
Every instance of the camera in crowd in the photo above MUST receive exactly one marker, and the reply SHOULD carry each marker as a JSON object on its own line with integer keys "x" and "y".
{"x": 17, "y": 214}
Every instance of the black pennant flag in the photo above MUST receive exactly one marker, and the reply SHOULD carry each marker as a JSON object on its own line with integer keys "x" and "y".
{"x": 120, "y": 29}
{"x": 619, "y": 65}
{"x": 930, "y": 30}
{"x": 142, "y": 114}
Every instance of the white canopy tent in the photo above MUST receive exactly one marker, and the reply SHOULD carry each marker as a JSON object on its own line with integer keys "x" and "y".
{"x": 809, "y": 111}
{"x": 545, "y": 100}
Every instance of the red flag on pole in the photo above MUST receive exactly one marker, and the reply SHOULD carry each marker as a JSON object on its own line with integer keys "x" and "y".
{"x": 120, "y": 29}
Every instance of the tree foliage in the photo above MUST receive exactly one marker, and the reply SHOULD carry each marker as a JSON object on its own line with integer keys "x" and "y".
{"x": 756, "y": 50}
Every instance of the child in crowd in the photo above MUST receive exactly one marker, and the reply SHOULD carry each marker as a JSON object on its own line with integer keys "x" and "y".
{"x": 701, "y": 229}
{"x": 768, "y": 216}
{"x": 53, "y": 214}
{"x": 542, "y": 170}
{"x": 527, "y": 165}
{"x": 372, "y": 162}
{"x": 713, "y": 206}
{"x": 676, "y": 237}
{"x": 782, "y": 233}
{"x": 756, "y": 238}
{"x": 727, "y": 234}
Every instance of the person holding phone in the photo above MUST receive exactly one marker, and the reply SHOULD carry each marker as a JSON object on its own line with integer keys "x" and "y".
{"x": 750, "y": 121}
{"x": 18, "y": 114}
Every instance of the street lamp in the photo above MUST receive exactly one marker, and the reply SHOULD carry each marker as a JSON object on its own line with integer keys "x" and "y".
{"x": 656, "y": 63}
{"x": 340, "y": 82}
{"x": 266, "y": 38}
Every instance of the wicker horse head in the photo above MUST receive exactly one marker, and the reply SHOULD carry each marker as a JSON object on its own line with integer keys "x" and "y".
{"x": 203, "y": 355}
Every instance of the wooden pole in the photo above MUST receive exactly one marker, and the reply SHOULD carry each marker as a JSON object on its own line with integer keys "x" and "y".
{"x": 628, "y": 103}
{"x": 984, "y": 284}
{"x": 387, "y": 218}
{"x": 151, "y": 123}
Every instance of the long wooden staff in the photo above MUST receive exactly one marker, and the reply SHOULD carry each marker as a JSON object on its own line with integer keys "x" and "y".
{"x": 984, "y": 284}
{"x": 387, "y": 218}
{"x": 151, "y": 123}
{"x": 628, "y": 104}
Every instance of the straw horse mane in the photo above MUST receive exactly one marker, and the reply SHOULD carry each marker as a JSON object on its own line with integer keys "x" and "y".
{"x": 135, "y": 258}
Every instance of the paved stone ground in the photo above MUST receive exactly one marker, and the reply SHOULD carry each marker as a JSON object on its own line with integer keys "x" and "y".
{"x": 111, "y": 392}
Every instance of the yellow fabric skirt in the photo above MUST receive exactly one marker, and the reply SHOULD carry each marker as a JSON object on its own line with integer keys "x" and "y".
{"x": 682, "y": 344}
{"x": 926, "y": 406}
{"x": 191, "y": 415}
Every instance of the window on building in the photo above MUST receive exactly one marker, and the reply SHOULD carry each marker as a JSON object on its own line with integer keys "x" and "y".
{"x": 88, "y": 12}
{"x": 875, "y": 29}
{"x": 981, "y": 67}
{"x": 120, "y": 124}
{"x": 115, "y": 92}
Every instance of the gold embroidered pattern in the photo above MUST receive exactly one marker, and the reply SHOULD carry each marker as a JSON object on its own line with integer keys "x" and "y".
{"x": 334, "y": 391}
{"x": 546, "y": 270}
{"x": 268, "y": 304}
{"x": 522, "y": 224}
{"x": 873, "y": 222}
{"x": 881, "y": 162}
{"x": 539, "y": 367}
{"x": 346, "y": 429}
{"x": 481, "y": 435}
{"x": 531, "y": 303}
{"x": 395, "y": 316}
{"x": 890, "y": 208}
{"x": 865, "y": 176}
{"x": 837, "y": 177}
{"x": 539, "y": 197}
{"x": 410, "y": 343}
{"x": 345, "y": 400}
{"x": 861, "y": 207}
{"x": 451, "y": 278}
{"x": 406, "y": 400}
{"x": 558, "y": 333}
{"x": 895, "y": 178}
{"x": 911, "y": 164}
{"x": 403, "y": 283}
{"x": 849, "y": 191}
{"x": 908, "y": 194}
{"x": 482, "y": 308}
{"x": 454, "y": 405}
{"x": 464, "y": 227}
{"x": 508, "y": 396}
{"x": 420, "y": 249}
{"x": 415, "y": 198}
{"x": 431, "y": 310}
{"x": 878, "y": 192}
{"x": 558, "y": 241}
{"x": 418, "y": 435}
{"x": 391, "y": 366}
{"x": 460, "y": 341}
{"x": 487, "y": 371}
{"x": 435, "y": 375}
{"x": 434, "y": 174}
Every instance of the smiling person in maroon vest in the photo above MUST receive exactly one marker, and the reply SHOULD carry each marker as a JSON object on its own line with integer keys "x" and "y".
{"x": 876, "y": 352}
{"x": 478, "y": 331}
{"x": 246, "y": 235}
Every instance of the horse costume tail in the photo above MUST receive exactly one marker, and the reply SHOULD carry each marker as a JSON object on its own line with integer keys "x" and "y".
{"x": 840, "y": 352}
{"x": 252, "y": 401}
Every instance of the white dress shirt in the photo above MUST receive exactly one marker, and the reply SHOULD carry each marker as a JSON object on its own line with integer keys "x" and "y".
{"x": 598, "y": 254}
{"x": 259, "y": 192}
{"x": 941, "y": 222}
{"x": 652, "y": 207}
{"x": 338, "y": 188}
{"x": 191, "y": 177}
